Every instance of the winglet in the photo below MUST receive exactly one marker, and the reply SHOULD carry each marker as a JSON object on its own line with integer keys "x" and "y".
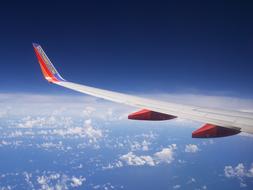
{"x": 47, "y": 68}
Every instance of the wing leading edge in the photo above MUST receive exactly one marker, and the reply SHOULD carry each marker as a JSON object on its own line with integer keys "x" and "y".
{"x": 220, "y": 122}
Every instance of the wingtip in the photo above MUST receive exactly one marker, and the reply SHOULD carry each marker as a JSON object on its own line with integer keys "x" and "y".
{"x": 35, "y": 44}
{"x": 48, "y": 69}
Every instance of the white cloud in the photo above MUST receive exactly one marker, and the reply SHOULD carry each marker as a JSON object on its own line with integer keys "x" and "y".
{"x": 91, "y": 132}
{"x": 29, "y": 122}
{"x": 35, "y": 104}
{"x": 50, "y": 121}
{"x": 144, "y": 145}
{"x": 192, "y": 180}
{"x": 76, "y": 182}
{"x": 117, "y": 164}
{"x": 4, "y": 143}
{"x": 28, "y": 177}
{"x": 246, "y": 134}
{"x": 181, "y": 161}
{"x": 238, "y": 171}
{"x": 88, "y": 111}
{"x": 50, "y": 145}
{"x": 176, "y": 186}
{"x": 133, "y": 160}
{"x": 52, "y": 180}
{"x": 107, "y": 186}
{"x": 191, "y": 148}
{"x": 166, "y": 154}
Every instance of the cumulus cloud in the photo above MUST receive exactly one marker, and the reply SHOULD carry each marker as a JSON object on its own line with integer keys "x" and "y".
{"x": 4, "y": 143}
{"x": 239, "y": 172}
{"x": 133, "y": 160}
{"x": 166, "y": 155}
{"x": 144, "y": 145}
{"x": 76, "y": 182}
{"x": 87, "y": 130}
{"x": 50, "y": 145}
{"x": 59, "y": 181}
{"x": 50, "y": 121}
{"x": 90, "y": 132}
{"x": 117, "y": 164}
{"x": 108, "y": 186}
{"x": 191, "y": 148}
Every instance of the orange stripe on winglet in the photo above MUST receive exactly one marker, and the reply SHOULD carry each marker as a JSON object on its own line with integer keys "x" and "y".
{"x": 46, "y": 72}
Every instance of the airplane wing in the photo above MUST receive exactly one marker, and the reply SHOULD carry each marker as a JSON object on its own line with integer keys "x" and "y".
{"x": 217, "y": 123}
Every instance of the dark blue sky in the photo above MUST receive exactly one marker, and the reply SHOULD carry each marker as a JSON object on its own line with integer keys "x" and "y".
{"x": 130, "y": 46}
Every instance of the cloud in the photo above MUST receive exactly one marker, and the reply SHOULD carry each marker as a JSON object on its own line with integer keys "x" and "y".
{"x": 61, "y": 105}
{"x": 4, "y": 143}
{"x": 239, "y": 172}
{"x": 76, "y": 182}
{"x": 166, "y": 155}
{"x": 50, "y": 121}
{"x": 59, "y": 181}
{"x": 28, "y": 177}
{"x": 90, "y": 132}
{"x": 14, "y": 143}
{"x": 50, "y": 145}
{"x": 45, "y": 180}
{"x": 133, "y": 160}
{"x": 144, "y": 145}
{"x": 87, "y": 130}
{"x": 90, "y": 136}
{"x": 192, "y": 180}
{"x": 191, "y": 148}
{"x": 117, "y": 164}
{"x": 108, "y": 186}
{"x": 87, "y": 106}
{"x": 176, "y": 186}
{"x": 246, "y": 135}
{"x": 88, "y": 111}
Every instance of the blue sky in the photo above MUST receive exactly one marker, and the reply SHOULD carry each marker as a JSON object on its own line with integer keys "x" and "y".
{"x": 131, "y": 46}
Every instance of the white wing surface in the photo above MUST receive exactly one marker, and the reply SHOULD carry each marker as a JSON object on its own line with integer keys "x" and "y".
{"x": 218, "y": 123}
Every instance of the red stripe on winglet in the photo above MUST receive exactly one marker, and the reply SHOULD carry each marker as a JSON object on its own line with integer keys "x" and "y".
{"x": 46, "y": 72}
